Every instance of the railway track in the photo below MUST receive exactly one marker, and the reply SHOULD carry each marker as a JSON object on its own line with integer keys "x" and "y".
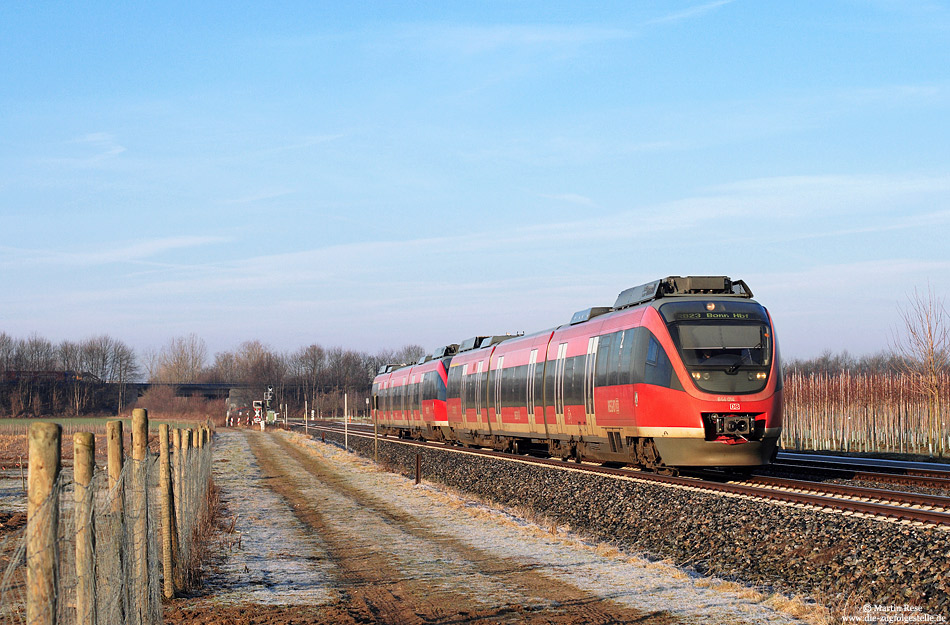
{"x": 908, "y": 507}
{"x": 890, "y": 472}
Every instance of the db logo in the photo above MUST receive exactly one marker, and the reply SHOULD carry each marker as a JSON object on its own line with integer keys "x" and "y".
{"x": 733, "y": 406}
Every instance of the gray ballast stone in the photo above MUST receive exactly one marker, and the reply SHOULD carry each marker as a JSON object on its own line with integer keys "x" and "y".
{"x": 841, "y": 561}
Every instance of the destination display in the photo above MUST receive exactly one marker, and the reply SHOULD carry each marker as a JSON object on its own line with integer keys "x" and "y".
{"x": 718, "y": 316}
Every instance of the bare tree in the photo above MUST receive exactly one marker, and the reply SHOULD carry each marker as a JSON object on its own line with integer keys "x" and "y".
{"x": 96, "y": 354}
{"x": 259, "y": 366}
{"x": 923, "y": 345}
{"x": 150, "y": 362}
{"x": 181, "y": 361}
{"x": 69, "y": 356}
{"x": 309, "y": 365}
{"x": 125, "y": 368}
{"x": 7, "y": 349}
{"x": 38, "y": 354}
{"x": 410, "y": 353}
{"x": 224, "y": 369}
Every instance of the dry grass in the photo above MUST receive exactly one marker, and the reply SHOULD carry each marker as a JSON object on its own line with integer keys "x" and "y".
{"x": 205, "y": 530}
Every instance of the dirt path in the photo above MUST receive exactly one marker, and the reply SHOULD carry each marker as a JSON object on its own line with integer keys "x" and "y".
{"x": 391, "y": 559}
{"x": 386, "y": 559}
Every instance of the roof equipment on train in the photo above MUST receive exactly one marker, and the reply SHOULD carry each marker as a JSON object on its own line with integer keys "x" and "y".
{"x": 470, "y": 344}
{"x": 448, "y": 350}
{"x": 679, "y": 286}
{"x": 589, "y": 313}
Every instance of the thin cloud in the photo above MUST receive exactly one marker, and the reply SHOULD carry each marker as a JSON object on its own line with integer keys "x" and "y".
{"x": 303, "y": 143}
{"x": 480, "y": 39}
{"x": 102, "y": 145}
{"x": 843, "y": 190}
{"x": 570, "y": 198}
{"x": 690, "y": 13}
{"x": 134, "y": 252}
{"x": 258, "y": 197}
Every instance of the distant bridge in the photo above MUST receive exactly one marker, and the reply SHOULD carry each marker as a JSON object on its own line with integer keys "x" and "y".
{"x": 208, "y": 390}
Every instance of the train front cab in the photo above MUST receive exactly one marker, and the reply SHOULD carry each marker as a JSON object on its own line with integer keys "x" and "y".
{"x": 728, "y": 409}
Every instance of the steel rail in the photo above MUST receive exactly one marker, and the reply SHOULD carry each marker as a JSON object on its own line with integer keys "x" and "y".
{"x": 877, "y": 494}
{"x": 857, "y": 473}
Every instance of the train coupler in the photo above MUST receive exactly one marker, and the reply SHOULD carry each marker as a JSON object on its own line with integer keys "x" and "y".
{"x": 730, "y": 428}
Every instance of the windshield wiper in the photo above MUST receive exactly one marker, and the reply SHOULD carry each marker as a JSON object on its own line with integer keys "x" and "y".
{"x": 745, "y": 355}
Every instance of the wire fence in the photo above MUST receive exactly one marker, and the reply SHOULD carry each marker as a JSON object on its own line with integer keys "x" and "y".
{"x": 866, "y": 412}
{"x": 92, "y": 550}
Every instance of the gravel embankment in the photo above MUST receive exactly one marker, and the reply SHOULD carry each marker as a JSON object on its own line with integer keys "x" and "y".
{"x": 842, "y": 561}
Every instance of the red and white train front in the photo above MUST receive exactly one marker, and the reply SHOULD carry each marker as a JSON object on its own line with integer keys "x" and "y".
{"x": 728, "y": 411}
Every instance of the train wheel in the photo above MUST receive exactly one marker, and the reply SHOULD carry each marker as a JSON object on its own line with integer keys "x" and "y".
{"x": 647, "y": 455}
{"x": 649, "y": 458}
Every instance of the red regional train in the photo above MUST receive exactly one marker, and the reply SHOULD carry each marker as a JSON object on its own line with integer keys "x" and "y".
{"x": 679, "y": 372}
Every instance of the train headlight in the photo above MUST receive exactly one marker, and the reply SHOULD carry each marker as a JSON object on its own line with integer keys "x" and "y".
{"x": 711, "y": 306}
{"x": 761, "y": 375}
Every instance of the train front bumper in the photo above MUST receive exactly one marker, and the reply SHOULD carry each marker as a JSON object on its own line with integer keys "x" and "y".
{"x": 698, "y": 452}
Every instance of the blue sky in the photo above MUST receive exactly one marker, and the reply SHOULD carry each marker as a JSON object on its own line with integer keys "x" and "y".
{"x": 376, "y": 174}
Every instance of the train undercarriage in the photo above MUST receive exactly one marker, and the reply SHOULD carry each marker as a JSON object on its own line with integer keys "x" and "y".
{"x": 645, "y": 453}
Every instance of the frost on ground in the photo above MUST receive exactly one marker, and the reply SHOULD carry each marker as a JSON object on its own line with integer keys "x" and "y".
{"x": 598, "y": 570}
{"x": 272, "y": 558}
{"x": 12, "y": 492}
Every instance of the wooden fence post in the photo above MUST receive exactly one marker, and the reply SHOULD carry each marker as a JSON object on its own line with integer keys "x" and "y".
{"x": 42, "y": 521}
{"x": 84, "y": 454}
{"x": 168, "y": 515}
{"x": 176, "y": 476}
{"x": 140, "y": 591}
{"x": 115, "y": 446}
{"x": 186, "y": 512}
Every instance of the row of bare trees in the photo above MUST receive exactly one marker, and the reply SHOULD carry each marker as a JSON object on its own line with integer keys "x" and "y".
{"x": 896, "y": 401}
{"x": 104, "y": 357}
{"x": 40, "y": 377}
{"x": 311, "y": 377}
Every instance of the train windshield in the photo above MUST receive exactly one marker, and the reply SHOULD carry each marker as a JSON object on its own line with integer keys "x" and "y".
{"x": 725, "y": 345}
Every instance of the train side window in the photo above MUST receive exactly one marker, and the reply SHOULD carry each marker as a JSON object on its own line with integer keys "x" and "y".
{"x": 573, "y": 381}
{"x": 613, "y": 377}
{"x": 471, "y": 390}
{"x": 519, "y": 389}
{"x": 550, "y": 370}
{"x": 455, "y": 381}
{"x": 659, "y": 368}
{"x": 428, "y": 390}
{"x": 604, "y": 349}
{"x": 652, "y": 350}
{"x": 567, "y": 381}
{"x": 626, "y": 370}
